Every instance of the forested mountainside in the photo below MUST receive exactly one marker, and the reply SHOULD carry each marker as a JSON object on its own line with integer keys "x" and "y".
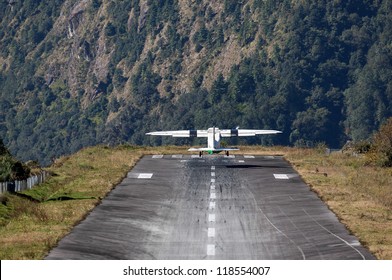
{"x": 81, "y": 72}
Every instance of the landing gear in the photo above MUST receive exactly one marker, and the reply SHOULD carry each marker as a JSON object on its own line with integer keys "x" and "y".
{"x": 227, "y": 153}
{"x": 200, "y": 154}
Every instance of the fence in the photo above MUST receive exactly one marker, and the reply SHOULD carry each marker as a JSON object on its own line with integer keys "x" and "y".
{"x": 17, "y": 186}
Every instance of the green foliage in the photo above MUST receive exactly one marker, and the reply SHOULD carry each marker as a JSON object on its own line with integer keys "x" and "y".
{"x": 362, "y": 147}
{"x": 320, "y": 71}
{"x": 382, "y": 145}
{"x": 12, "y": 169}
{"x": 309, "y": 127}
{"x": 110, "y": 30}
{"x": 5, "y": 210}
{"x": 3, "y": 149}
{"x": 219, "y": 90}
{"x": 96, "y": 4}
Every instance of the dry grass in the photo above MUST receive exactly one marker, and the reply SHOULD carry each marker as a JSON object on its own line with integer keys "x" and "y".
{"x": 360, "y": 195}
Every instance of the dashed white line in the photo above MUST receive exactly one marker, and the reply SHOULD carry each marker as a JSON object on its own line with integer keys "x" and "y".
{"x": 211, "y": 217}
{"x": 211, "y": 250}
{"x": 211, "y": 232}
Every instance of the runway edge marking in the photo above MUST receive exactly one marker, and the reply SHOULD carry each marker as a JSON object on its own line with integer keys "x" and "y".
{"x": 145, "y": 176}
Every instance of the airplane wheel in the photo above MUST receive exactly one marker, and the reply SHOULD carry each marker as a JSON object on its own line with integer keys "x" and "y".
{"x": 227, "y": 153}
{"x": 200, "y": 154}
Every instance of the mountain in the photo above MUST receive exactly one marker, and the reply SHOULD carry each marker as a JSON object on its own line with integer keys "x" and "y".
{"x": 76, "y": 73}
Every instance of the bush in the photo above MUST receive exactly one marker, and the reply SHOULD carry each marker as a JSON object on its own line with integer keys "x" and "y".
{"x": 3, "y": 149}
{"x": 11, "y": 169}
{"x": 382, "y": 145}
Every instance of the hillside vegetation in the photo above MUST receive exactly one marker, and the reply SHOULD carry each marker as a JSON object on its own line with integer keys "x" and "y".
{"x": 30, "y": 226}
{"x": 10, "y": 168}
{"x": 76, "y": 73}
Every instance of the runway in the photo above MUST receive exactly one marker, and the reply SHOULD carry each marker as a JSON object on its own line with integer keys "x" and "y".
{"x": 215, "y": 207}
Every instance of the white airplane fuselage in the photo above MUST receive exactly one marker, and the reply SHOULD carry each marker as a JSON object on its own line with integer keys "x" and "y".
{"x": 213, "y": 137}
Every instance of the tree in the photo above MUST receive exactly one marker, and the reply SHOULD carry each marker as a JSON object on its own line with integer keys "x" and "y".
{"x": 309, "y": 127}
{"x": 3, "y": 149}
{"x": 219, "y": 89}
{"x": 110, "y": 29}
{"x": 382, "y": 144}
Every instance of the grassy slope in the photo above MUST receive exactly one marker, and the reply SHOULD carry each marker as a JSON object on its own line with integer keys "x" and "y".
{"x": 360, "y": 195}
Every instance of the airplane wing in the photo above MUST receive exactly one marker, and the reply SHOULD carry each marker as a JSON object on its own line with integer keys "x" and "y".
{"x": 247, "y": 132}
{"x": 212, "y": 149}
{"x": 180, "y": 133}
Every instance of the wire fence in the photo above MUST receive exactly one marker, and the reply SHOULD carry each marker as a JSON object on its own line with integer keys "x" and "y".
{"x": 17, "y": 186}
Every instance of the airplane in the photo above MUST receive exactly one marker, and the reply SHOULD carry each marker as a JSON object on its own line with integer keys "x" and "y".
{"x": 214, "y": 135}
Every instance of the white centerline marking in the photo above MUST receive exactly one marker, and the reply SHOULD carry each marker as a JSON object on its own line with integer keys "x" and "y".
{"x": 211, "y": 217}
{"x": 211, "y": 232}
{"x": 249, "y": 156}
{"x": 241, "y": 161}
{"x": 211, "y": 250}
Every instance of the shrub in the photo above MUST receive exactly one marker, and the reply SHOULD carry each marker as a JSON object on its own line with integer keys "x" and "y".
{"x": 11, "y": 169}
{"x": 3, "y": 149}
{"x": 382, "y": 145}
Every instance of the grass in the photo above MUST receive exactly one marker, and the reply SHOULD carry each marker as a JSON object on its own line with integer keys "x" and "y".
{"x": 360, "y": 195}
{"x": 32, "y": 224}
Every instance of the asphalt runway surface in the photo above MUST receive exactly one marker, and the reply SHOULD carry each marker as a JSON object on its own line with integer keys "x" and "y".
{"x": 214, "y": 207}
